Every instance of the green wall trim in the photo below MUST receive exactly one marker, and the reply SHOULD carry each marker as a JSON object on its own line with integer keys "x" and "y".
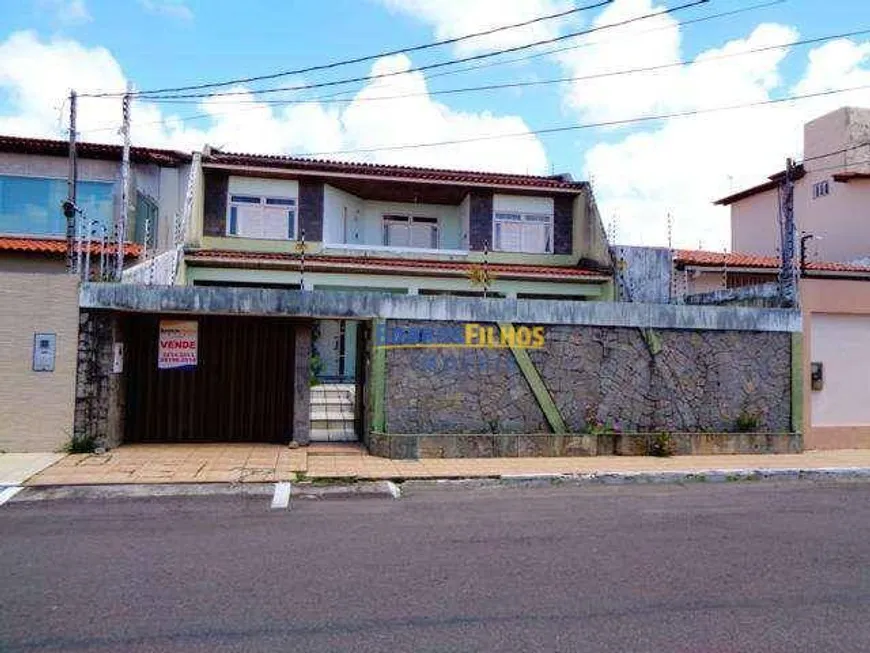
{"x": 539, "y": 388}
{"x": 378, "y": 379}
{"x": 797, "y": 383}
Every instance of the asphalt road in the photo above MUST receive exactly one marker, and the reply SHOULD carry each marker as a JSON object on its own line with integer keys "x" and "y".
{"x": 725, "y": 568}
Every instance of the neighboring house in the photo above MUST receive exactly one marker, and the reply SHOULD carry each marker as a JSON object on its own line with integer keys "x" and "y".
{"x": 393, "y": 229}
{"x": 39, "y": 317}
{"x": 832, "y": 217}
{"x": 831, "y": 194}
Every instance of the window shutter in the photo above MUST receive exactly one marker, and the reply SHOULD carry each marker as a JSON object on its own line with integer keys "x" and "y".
{"x": 397, "y": 235}
{"x": 534, "y": 237}
{"x": 275, "y": 222}
{"x": 423, "y": 235}
{"x": 509, "y": 236}
{"x": 249, "y": 220}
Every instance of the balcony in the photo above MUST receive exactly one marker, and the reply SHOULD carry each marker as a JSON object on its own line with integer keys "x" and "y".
{"x": 352, "y": 224}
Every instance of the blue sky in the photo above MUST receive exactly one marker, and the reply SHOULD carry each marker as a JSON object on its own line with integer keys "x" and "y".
{"x": 640, "y": 172}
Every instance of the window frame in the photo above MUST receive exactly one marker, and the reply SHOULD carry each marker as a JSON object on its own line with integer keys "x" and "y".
{"x": 819, "y": 187}
{"x": 536, "y": 218}
{"x": 410, "y": 219}
{"x": 81, "y": 191}
{"x": 239, "y": 199}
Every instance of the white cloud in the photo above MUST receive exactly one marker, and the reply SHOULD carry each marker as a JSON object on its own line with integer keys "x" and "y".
{"x": 455, "y": 18}
{"x": 68, "y": 12}
{"x": 169, "y": 8}
{"x": 37, "y": 75}
{"x": 681, "y": 165}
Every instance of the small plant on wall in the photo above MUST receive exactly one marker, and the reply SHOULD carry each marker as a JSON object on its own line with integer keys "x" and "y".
{"x": 592, "y": 425}
{"x": 315, "y": 367}
{"x": 315, "y": 364}
{"x": 81, "y": 443}
{"x": 659, "y": 445}
{"x": 747, "y": 421}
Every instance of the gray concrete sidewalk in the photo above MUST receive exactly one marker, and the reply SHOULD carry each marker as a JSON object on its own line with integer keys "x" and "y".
{"x": 16, "y": 468}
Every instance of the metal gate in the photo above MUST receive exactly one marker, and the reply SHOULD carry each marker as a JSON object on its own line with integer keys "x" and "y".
{"x": 241, "y": 389}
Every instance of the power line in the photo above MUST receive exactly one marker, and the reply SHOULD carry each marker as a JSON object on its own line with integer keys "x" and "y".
{"x": 492, "y": 64}
{"x": 370, "y": 57}
{"x": 340, "y": 97}
{"x": 560, "y": 80}
{"x": 607, "y": 123}
{"x": 439, "y": 64}
{"x": 489, "y": 87}
{"x": 842, "y": 151}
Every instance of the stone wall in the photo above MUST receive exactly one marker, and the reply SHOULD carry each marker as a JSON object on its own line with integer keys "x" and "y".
{"x": 100, "y": 392}
{"x": 670, "y": 380}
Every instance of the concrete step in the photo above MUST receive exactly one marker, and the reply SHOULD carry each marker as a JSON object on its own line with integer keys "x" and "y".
{"x": 332, "y": 435}
{"x": 330, "y": 400}
{"x": 333, "y": 415}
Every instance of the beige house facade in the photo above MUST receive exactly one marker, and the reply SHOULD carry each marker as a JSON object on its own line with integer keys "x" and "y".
{"x": 39, "y": 313}
{"x": 832, "y": 219}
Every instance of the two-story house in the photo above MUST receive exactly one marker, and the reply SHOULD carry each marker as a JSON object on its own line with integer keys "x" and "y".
{"x": 38, "y": 300}
{"x": 832, "y": 221}
{"x": 274, "y": 222}
{"x": 395, "y": 229}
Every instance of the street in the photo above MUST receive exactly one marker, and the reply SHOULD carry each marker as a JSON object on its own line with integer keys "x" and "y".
{"x": 702, "y": 568}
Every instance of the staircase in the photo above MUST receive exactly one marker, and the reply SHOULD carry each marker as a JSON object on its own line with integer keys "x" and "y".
{"x": 332, "y": 407}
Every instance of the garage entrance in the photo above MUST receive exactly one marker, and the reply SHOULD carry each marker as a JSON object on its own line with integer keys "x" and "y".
{"x": 239, "y": 390}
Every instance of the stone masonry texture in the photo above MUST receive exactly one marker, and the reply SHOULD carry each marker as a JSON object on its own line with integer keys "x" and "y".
{"x": 667, "y": 380}
{"x": 100, "y": 392}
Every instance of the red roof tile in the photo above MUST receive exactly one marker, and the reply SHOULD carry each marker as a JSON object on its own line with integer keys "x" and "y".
{"x": 55, "y": 246}
{"x": 774, "y": 181}
{"x": 557, "y": 182}
{"x": 700, "y": 258}
{"x": 378, "y": 265}
{"x": 23, "y": 145}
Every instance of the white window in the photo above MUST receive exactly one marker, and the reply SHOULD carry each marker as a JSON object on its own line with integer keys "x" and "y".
{"x": 820, "y": 189}
{"x": 272, "y": 218}
{"x": 523, "y": 232}
{"x": 410, "y": 231}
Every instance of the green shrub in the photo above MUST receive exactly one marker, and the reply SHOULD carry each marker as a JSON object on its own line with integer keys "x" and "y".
{"x": 659, "y": 445}
{"x": 86, "y": 443}
{"x": 747, "y": 421}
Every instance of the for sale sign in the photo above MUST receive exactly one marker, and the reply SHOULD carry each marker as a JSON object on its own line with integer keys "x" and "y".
{"x": 178, "y": 344}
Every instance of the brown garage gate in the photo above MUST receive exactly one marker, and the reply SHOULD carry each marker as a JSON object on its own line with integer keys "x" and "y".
{"x": 241, "y": 389}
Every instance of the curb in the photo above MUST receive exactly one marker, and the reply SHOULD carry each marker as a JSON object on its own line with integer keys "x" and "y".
{"x": 699, "y": 476}
{"x": 363, "y": 490}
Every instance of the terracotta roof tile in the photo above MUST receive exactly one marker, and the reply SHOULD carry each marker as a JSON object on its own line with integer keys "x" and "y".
{"x": 701, "y": 258}
{"x": 55, "y": 246}
{"x": 382, "y": 170}
{"x": 85, "y": 150}
{"x": 774, "y": 181}
{"x": 378, "y": 265}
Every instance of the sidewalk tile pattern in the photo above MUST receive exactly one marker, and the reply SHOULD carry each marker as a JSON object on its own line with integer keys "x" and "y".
{"x": 265, "y": 463}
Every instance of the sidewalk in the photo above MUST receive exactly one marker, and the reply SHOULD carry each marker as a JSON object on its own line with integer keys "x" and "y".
{"x": 15, "y": 468}
{"x": 263, "y": 463}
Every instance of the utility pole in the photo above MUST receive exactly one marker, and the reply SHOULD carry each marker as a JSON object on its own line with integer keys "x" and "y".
{"x": 69, "y": 207}
{"x": 121, "y": 229}
{"x": 787, "y": 281}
